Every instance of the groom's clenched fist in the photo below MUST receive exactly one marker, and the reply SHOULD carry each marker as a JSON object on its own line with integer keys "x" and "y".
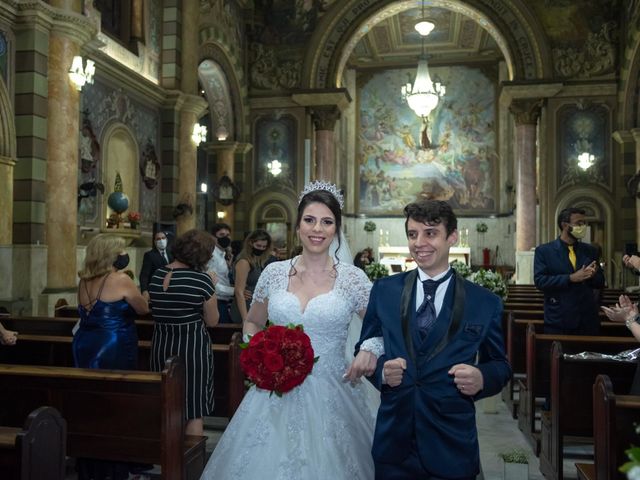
{"x": 393, "y": 370}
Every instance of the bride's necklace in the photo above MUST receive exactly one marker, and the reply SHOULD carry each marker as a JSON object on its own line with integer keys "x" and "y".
{"x": 304, "y": 269}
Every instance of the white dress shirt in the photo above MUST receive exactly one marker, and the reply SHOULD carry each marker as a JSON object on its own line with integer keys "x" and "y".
{"x": 218, "y": 264}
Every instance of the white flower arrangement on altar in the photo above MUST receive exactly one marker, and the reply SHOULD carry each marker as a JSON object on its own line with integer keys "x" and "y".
{"x": 485, "y": 278}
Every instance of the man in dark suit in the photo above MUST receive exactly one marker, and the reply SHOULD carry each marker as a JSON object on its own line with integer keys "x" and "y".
{"x": 155, "y": 258}
{"x": 443, "y": 350}
{"x": 567, "y": 272}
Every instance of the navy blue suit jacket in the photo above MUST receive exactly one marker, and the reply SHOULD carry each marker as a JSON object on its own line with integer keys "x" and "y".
{"x": 427, "y": 405}
{"x": 567, "y": 305}
{"x": 151, "y": 261}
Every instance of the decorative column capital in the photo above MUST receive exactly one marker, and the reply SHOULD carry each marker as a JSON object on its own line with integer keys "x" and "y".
{"x": 526, "y": 111}
{"x": 325, "y": 116}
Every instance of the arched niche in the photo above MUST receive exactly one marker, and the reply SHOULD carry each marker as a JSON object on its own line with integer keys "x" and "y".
{"x": 276, "y": 213}
{"x": 120, "y": 155}
{"x": 7, "y": 163}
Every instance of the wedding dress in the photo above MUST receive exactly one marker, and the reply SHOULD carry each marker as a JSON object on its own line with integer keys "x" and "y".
{"x": 322, "y": 429}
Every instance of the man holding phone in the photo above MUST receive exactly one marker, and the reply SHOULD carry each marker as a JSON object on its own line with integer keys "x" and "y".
{"x": 566, "y": 270}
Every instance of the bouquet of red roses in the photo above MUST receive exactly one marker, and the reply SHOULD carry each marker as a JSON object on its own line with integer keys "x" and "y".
{"x": 278, "y": 358}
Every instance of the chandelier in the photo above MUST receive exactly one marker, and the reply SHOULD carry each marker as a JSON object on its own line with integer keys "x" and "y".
{"x": 80, "y": 75}
{"x": 423, "y": 96}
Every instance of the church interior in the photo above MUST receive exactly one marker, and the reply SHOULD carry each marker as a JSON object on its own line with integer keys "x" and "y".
{"x": 130, "y": 116}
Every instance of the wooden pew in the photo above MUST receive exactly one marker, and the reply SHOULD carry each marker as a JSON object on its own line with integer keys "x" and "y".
{"x": 536, "y": 384}
{"x": 36, "y": 451}
{"x": 515, "y": 346}
{"x": 221, "y": 333}
{"x": 571, "y": 413}
{"x": 118, "y": 415}
{"x": 614, "y": 431}
{"x": 51, "y": 350}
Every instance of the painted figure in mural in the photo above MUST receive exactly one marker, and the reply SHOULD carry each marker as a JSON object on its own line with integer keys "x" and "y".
{"x": 149, "y": 167}
{"x": 89, "y": 148}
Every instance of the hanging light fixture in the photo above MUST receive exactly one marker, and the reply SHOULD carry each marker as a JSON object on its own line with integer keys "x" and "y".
{"x": 199, "y": 134}
{"x": 423, "y": 96}
{"x": 586, "y": 160}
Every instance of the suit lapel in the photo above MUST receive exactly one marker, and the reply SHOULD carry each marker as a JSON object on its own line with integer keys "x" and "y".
{"x": 406, "y": 311}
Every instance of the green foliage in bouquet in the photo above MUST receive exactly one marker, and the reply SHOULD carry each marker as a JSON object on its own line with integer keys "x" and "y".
{"x": 481, "y": 227}
{"x": 375, "y": 271}
{"x": 370, "y": 226}
{"x": 491, "y": 281}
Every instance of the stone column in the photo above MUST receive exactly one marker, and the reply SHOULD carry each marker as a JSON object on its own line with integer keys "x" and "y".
{"x": 62, "y": 165}
{"x": 225, "y": 159}
{"x": 192, "y": 108}
{"x": 526, "y": 112}
{"x": 324, "y": 119}
{"x": 6, "y": 200}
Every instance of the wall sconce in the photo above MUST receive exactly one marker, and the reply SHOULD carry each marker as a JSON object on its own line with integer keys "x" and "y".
{"x": 79, "y": 75}
{"x": 586, "y": 160}
{"x": 221, "y": 215}
{"x": 203, "y": 187}
{"x": 199, "y": 134}
{"x": 222, "y": 134}
{"x": 274, "y": 167}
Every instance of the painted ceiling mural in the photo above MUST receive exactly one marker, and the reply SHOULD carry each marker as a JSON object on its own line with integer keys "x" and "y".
{"x": 394, "y": 170}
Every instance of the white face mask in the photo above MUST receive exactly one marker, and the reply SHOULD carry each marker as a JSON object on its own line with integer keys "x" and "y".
{"x": 161, "y": 244}
{"x": 578, "y": 231}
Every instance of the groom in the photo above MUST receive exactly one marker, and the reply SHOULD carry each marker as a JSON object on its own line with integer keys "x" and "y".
{"x": 443, "y": 351}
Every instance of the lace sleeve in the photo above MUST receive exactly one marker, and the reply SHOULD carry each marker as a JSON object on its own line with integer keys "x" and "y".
{"x": 269, "y": 277}
{"x": 357, "y": 287}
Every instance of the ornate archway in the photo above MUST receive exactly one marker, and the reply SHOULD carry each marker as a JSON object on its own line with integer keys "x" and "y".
{"x": 7, "y": 163}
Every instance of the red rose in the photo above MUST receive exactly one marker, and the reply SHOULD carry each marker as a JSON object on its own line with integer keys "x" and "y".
{"x": 278, "y": 358}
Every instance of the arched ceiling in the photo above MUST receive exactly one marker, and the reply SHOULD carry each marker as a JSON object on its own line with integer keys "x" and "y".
{"x": 457, "y": 37}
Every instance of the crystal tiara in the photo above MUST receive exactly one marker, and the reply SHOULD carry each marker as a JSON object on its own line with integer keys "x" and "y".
{"x": 319, "y": 185}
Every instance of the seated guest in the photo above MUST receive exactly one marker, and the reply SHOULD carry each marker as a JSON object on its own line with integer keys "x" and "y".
{"x": 7, "y": 337}
{"x": 184, "y": 303}
{"x": 255, "y": 255}
{"x": 106, "y": 338}
{"x": 155, "y": 258}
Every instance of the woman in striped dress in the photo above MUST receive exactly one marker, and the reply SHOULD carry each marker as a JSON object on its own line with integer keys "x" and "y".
{"x": 183, "y": 303}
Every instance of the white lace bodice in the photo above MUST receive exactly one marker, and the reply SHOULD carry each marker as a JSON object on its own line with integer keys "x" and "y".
{"x": 326, "y": 317}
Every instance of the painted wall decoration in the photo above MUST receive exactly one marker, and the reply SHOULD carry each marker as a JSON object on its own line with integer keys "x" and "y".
{"x": 461, "y": 166}
{"x": 105, "y": 106}
{"x": 275, "y": 139}
{"x": 4, "y": 56}
{"x": 583, "y": 128}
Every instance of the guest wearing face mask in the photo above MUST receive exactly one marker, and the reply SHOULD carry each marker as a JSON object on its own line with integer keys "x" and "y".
{"x": 157, "y": 257}
{"x": 106, "y": 337}
{"x": 219, "y": 270}
{"x": 566, "y": 270}
{"x": 255, "y": 255}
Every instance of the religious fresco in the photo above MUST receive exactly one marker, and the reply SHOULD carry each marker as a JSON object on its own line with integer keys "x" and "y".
{"x": 461, "y": 165}
{"x": 4, "y": 57}
{"x": 583, "y": 35}
{"x": 275, "y": 140}
{"x": 583, "y": 129}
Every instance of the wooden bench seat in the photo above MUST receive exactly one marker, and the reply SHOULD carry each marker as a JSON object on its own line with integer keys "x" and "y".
{"x": 54, "y": 350}
{"x": 571, "y": 414}
{"x": 536, "y": 384}
{"x": 615, "y": 418}
{"x": 37, "y": 450}
{"x": 117, "y": 415}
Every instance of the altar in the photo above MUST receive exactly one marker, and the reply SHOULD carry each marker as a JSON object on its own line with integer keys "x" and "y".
{"x": 398, "y": 259}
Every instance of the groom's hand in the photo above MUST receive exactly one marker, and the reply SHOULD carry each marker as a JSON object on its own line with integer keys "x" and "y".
{"x": 364, "y": 364}
{"x": 393, "y": 370}
{"x": 467, "y": 378}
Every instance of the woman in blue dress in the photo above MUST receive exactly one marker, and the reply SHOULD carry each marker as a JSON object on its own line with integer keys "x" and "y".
{"x": 108, "y": 302}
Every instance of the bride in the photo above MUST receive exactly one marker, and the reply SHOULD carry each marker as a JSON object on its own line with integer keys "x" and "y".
{"x": 324, "y": 427}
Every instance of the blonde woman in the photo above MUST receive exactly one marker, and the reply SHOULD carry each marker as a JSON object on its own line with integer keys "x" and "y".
{"x": 108, "y": 302}
{"x": 254, "y": 256}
